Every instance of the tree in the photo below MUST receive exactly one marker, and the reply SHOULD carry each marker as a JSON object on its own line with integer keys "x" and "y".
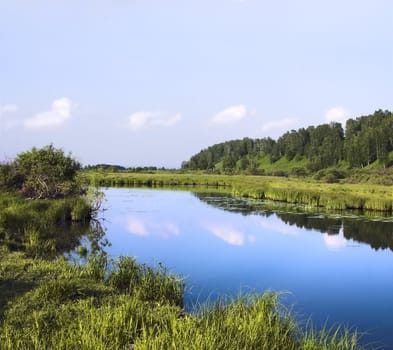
{"x": 45, "y": 173}
{"x": 326, "y": 145}
{"x": 369, "y": 138}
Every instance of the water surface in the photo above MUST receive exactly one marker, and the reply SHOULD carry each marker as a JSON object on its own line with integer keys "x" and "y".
{"x": 336, "y": 269}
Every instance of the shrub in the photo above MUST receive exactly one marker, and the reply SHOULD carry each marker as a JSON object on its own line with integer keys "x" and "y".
{"x": 299, "y": 172}
{"x": 42, "y": 173}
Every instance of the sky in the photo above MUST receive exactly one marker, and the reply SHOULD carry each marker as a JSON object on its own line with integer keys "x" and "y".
{"x": 152, "y": 82}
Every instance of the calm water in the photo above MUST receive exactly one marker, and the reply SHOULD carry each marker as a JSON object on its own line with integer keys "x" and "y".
{"x": 336, "y": 269}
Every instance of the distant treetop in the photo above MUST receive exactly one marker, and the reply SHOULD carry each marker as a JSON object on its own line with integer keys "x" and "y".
{"x": 365, "y": 140}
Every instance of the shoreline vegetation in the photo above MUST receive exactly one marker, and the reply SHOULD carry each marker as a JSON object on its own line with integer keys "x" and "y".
{"x": 303, "y": 191}
{"x": 60, "y": 305}
{"x": 48, "y": 302}
{"x": 327, "y": 166}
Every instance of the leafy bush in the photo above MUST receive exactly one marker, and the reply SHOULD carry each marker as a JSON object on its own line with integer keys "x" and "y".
{"x": 299, "y": 172}
{"x": 330, "y": 175}
{"x": 42, "y": 173}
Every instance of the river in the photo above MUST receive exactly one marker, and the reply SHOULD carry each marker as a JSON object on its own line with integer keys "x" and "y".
{"x": 334, "y": 268}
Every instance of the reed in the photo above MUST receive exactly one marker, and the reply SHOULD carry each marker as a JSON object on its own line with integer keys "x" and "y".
{"x": 17, "y": 211}
{"x": 38, "y": 226}
{"x": 309, "y": 192}
{"x": 56, "y": 305}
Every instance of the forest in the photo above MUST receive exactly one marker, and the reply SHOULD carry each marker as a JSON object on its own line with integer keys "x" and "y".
{"x": 365, "y": 140}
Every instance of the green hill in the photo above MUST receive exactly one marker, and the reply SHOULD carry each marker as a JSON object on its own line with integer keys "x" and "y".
{"x": 365, "y": 143}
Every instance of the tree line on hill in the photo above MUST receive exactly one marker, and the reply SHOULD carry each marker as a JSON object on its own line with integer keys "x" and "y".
{"x": 114, "y": 168}
{"x": 365, "y": 140}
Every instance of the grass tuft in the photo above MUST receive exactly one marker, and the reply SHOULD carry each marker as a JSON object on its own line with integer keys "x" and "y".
{"x": 56, "y": 305}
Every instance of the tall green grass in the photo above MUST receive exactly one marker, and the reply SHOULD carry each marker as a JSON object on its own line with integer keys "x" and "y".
{"x": 55, "y": 305}
{"x": 42, "y": 226}
{"x": 309, "y": 192}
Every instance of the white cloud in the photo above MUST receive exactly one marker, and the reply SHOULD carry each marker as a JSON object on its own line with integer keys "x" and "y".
{"x": 7, "y": 119}
{"x": 9, "y": 108}
{"x": 338, "y": 114}
{"x": 146, "y": 119}
{"x": 282, "y": 124}
{"x": 231, "y": 115}
{"x": 56, "y": 117}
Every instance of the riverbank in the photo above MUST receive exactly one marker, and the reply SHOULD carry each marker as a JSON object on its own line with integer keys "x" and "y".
{"x": 55, "y": 304}
{"x": 304, "y": 191}
{"x": 43, "y": 228}
{"x": 46, "y": 302}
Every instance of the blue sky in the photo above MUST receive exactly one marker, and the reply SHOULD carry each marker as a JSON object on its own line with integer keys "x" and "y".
{"x": 152, "y": 82}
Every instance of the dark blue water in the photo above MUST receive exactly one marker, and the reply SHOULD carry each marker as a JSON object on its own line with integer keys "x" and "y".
{"x": 338, "y": 270}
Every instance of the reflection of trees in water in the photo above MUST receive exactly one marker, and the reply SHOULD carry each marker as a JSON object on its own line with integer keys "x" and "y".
{"x": 331, "y": 226}
{"x": 96, "y": 236}
{"x": 377, "y": 234}
{"x": 49, "y": 241}
{"x": 225, "y": 202}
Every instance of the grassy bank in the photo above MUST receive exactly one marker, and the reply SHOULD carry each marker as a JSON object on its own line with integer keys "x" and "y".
{"x": 42, "y": 227}
{"x": 54, "y": 304}
{"x": 336, "y": 196}
{"x": 57, "y": 305}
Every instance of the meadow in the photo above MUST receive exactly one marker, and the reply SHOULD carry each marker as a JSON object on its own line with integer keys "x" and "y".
{"x": 49, "y": 302}
{"x": 305, "y": 191}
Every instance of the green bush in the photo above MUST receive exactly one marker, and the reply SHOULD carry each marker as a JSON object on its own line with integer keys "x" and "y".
{"x": 298, "y": 172}
{"x": 42, "y": 173}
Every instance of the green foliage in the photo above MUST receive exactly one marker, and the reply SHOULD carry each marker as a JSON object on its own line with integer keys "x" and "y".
{"x": 310, "y": 192}
{"x": 96, "y": 266}
{"x": 42, "y": 173}
{"x": 81, "y": 210}
{"x": 331, "y": 175}
{"x": 54, "y": 305}
{"x": 299, "y": 172}
{"x": 105, "y": 167}
{"x": 10, "y": 178}
{"x": 42, "y": 227}
{"x": 154, "y": 284}
{"x": 367, "y": 139}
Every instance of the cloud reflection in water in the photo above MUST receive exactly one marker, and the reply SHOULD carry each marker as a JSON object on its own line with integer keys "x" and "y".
{"x": 145, "y": 227}
{"x": 335, "y": 242}
{"x": 230, "y": 235}
{"x": 278, "y": 226}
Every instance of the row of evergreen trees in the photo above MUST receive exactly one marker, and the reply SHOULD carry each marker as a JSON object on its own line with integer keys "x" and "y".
{"x": 365, "y": 140}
